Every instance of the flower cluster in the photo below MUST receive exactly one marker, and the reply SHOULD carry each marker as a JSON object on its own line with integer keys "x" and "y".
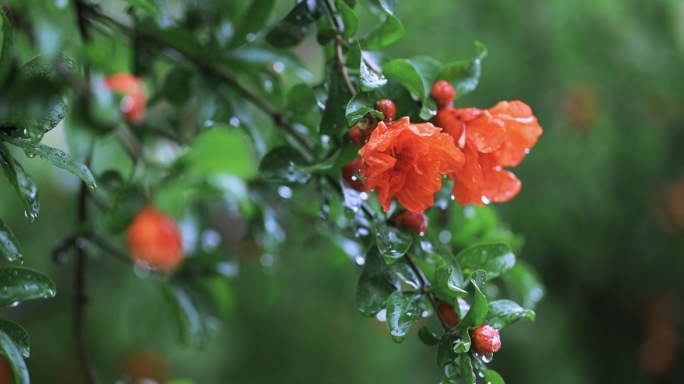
{"x": 407, "y": 161}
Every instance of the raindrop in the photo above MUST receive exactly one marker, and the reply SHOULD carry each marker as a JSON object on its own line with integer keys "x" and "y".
{"x": 360, "y": 260}
{"x": 485, "y": 200}
{"x": 444, "y": 237}
{"x": 285, "y": 192}
{"x": 250, "y": 37}
{"x": 208, "y": 123}
{"x": 453, "y": 197}
{"x": 267, "y": 260}
{"x": 487, "y": 358}
{"x": 278, "y": 67}
{"x": 325, "y": 139}
{"x": 141, "y": 269}
{"x": 227, "y": 269}
{"x": 268, "y": 85}
{"x": 382, "y": 315}
{"x": 527, "y": 151}
{"x": 480, "y": 374}
{"x": 13, "y": 304}
{"x": 210, "y": 239}
{"x": 30, "y": 154}
{"x": 469, "y": 212}
{"x": 363, "y": 232}
{"x": 363, "y": 196}
{"x": 234, "y": 121}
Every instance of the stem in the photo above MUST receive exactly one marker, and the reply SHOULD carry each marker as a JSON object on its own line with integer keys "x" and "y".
{"x": 426, "y": 286}
{"x": 339, "y": 40}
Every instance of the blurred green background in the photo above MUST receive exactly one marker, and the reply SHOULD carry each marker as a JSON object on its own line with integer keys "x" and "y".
{"x": 601, "y": 212}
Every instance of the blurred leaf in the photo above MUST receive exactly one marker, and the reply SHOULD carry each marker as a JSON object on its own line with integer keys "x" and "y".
{"x": 253, "y": 21}
{"x": 221, "y": 149}
{"x": 464, "y": 74}
{"x": 478, "y": 309}
{"x": 9, "y": 245}
{"x": 445, "y": 350}
{"x": 19, "y": 284}
{"x": 526, "y": 282}
{"x": 361, "y": 104}
{"x": 264, "y": 55}
{"x": 292, "y": 29}
{"x": 13, "y": 356}
{"x": 149, "y": 6}
{"x": 427, "y": 336}
{"x": 50, "y": 119}
{"x": 393, "y": 242}
{"x": 391, "y": 31}
{"x": 375, "y": 285}
{"x": 334, "y": 122}
{"x": 282, "y": 164}
{"x": 467, "y": 369}
{"x": 417, "y": 75}
{"x": 191, "y": 325}
{"x": 22, "y": 183}
{"x": 349, "y": 18}
{"x": 19, "y": 336}
{"x": 182, "y": 40}
{"x": 495, "y": 259}
{"x": 57, "y": 157}
{"x": 492, "y": 377}
{"x": 403, "y": 308}
{"x": 177, "y": 83}
{"x": 503, "y": 313}
{"x": 7, "y": 44}
{"x": 300, "y": 100}
{"x": 52, "y": 70}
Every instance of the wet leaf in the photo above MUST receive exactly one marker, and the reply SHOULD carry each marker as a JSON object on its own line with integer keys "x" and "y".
{"x": 376, "y": 284}
{"x": 13, "y": 357}
{"x": 7, "y": 44}
{"x": 405, "y": 273}
{"x": 190, "y": 322}
{"x": 19, "y": 284}
{"x": 403, "y": 308}
{"x": 445, "y": 350}
{"x": 503, "y": 313}
{"x": 57, "y": 157}
{"x": 9, "y": 245}
{"x": 462, "y": 345}
{"x": 284, "y": 165}
{"x": 391, "y": 31}
{"x": 349, "y": 18}
{"x": 417, "y": 75}
{"x": 221, "y": 149}
{"x": 334, "y": 122}
{"x": 22, "y": 182}
{"x": 464, "y": 74}
{"x": 492, "y": 377}
{"x": 467, "y": 369}
{"x": 495, "y": 259}
{"x": 361, "y": 104}
{"x": 393, "y": 242}
{"x": 478, "y": 309}
{"x": 293, "y": 28}
{"x": 19, "y": 336}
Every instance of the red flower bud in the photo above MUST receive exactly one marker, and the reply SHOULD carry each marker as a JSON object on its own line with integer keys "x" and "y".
{"x": 131, "y": 87}
{"x": 485, "y": 339}
{"x": 387, "y": 107}
{"x": 350, "y": 173}
{"x": 443, "y": 93}
{"x": 155, "y": 239}
{"x": 449, "y": 314}
{"x": 416, "y": 222}
{"x": 358, "y": 136}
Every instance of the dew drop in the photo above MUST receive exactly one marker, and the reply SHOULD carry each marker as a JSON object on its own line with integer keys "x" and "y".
{"x": 444, "y": 237}
{"x": 285, "y": 192}
{"x": 485, "y": 200}
{"x": 480, "y": 374}
{"x": 363, "y": 196}
{"x": 382, "y": 315}
{"x": 234, "y": 121}
{"x": 527, "y": 151}
{"x": 141, "y": 269}
{"x": 487, "y": 358}
{"x": 210, "y": 240}
{"x": 360, "y": 260}
{"x": 250, "y": 37}
{"x": 278, "y": 67}
{"x": 13, "y": 304}
{"x": 208, "y": 123}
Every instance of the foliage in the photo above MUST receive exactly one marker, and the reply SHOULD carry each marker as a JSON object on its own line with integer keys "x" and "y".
{"x": 235, "y": 124}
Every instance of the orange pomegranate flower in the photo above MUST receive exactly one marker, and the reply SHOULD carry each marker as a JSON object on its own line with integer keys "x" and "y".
{"x": 131, "y": 87}
{"x": 407, "y": 161}
{"x": 155, "y": 239}
{"x": 490, "y": 139}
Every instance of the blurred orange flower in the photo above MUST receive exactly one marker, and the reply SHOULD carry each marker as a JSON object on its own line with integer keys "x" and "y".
{"x": 131, "y": 87}
{"x": 407, "y": 161}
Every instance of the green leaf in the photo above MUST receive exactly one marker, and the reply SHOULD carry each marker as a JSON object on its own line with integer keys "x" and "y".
{"x": 22, "y": 183}
{"x": 283, "y": 165}
{"x": 495, "y": 259}
{"x": 478, "y": 309}
{"x": 349, "y": 18}
{"x": 463, "y": 343}
{"x": 492, "y": 377}
{"x": 449, "y": 277}
{"x": 293, "y": 28}
{"x": 9, "y": 245}
{"x": 149, "y": 6}
{"x": 334, "y": 122}
{"x": 300, "y": 100}
{"x": 57, "y": 157}
{"x": 369, "y": 79}
{"x": 403, "y": 308}
{"x": 19, "y": 284}
{"x": 467, "y": 369}
{"x": 51, "y": 117}
{"x": 417, "y": 75}
{"x": 255, "y": 17}
{"x": 393, "y": 242}
{"x": 191, "y": 325}
{"x": 526, "y": 281}
{"x": 13, "y": 356}
{"x": 361, "y": 104}
{"x": 445, "y": 350}
{"x": 391, "y": 31}
{"x": 7, "y": 44}
{"x": 427, "y": 336}
{"x": 503, "y": 313}
{"x": 405, "y": 273}
{"x": 18, "y": 334}
{"x": 51, "y": 70}
{"x": 465, "y": 74}
{"x": 221, "y": 149}
{"x": 177, "y": 83}
{"x": 376, "y": 284}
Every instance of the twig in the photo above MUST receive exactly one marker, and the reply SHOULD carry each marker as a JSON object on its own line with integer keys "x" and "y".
{"x": 374, "y": 67}
{"x": 339, "y": 40}
{"x": 425, "y": 284}
{"x": 108, "y": 248}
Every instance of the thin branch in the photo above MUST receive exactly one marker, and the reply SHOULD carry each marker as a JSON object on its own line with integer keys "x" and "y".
{"x": 278, "y": 118}
{"x": 109, "y": 248}
{"x": 425, "y": 284}
{"x": 370, "y": 63}
{"x": 339, "y": 41}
